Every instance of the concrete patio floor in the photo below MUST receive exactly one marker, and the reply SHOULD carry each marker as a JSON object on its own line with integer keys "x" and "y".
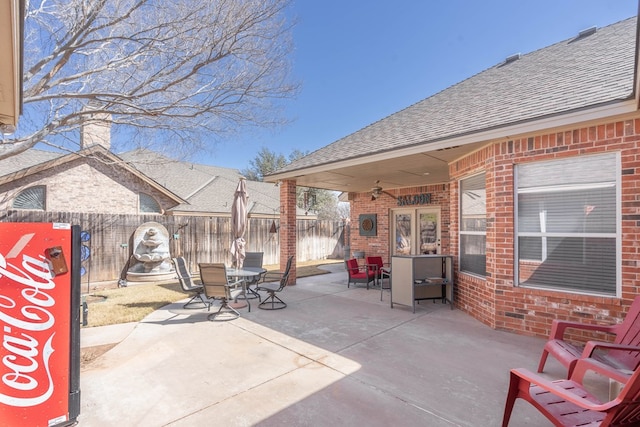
{"x": 333, "y": 357}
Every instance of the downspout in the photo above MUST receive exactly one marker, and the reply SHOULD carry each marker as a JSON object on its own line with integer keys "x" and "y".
{"x": 636, "y": 81}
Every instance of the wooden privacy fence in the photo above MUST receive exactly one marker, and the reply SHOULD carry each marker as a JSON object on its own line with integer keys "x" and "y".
{"x": 196, "y": 238}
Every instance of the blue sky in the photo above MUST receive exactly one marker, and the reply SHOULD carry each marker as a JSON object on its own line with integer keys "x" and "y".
{"x": 360, "y": 61}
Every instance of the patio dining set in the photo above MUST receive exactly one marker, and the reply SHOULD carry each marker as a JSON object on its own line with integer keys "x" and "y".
{"x": 226, "y": 285}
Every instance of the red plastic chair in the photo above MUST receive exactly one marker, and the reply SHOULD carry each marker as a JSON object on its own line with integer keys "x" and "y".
{"x": 622, "y": 356}
{"x": 568, "y": 403}
{"x": 359, "y": 274}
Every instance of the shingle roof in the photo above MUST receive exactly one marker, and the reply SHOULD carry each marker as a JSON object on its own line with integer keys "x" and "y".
{"x": 25, "y": 160}
{"x": 183, "y": 178}
{"x": 33, "y": 161}
{"x": 571, "y": 75}
{"x": 206, "y": 188}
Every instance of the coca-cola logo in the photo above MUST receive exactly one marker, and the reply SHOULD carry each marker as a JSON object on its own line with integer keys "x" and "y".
{"x": 27, "y": 326}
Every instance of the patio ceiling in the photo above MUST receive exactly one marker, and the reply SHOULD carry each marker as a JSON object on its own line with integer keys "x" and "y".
{"x": 387, "y": 170}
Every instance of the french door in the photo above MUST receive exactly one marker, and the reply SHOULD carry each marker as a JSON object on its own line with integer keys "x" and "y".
{"x": 415, "y": 231}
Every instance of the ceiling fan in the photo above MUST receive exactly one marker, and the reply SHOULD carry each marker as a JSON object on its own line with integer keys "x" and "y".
{"x": 376, "y": 191}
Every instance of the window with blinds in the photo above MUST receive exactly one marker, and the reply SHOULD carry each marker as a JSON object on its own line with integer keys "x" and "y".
{"x": 567, "y": 224}
{"x": 473, "y": 225}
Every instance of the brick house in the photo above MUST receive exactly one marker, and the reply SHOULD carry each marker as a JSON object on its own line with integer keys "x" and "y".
{"x": 528, "y": 173}
{"x": 95, "y": 180}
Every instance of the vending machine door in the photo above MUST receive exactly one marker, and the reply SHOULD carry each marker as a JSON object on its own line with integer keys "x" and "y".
{"x": 40, "y": 324}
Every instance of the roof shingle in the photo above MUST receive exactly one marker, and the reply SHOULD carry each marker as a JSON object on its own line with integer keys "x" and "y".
{"x": 571, "y": 75}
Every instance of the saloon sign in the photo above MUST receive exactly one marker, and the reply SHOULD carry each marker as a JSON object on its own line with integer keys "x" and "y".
{"x": 414, "y": 199}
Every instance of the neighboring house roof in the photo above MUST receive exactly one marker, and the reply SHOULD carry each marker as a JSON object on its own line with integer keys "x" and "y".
{"x": 594, "y": 69}
{"x": 205, "y": 189}
{"x": 26, "y": 159}
{"x": 197, "y": 189}
{"x": 33, "y": 161}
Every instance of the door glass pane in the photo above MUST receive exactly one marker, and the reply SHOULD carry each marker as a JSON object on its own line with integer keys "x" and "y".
{"x": 428, "y": 223}
{"x": 403, "y": 235}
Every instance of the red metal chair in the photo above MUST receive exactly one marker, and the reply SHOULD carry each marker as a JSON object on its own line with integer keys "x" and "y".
{"x": 622, "y": 356}
{"x": 359, "y": 273}
{"x": 568, "y": 403}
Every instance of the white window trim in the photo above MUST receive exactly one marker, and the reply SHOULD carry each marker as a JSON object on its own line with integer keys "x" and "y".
{"x": 617, "y": 234}
{"x": 469, "y": 233}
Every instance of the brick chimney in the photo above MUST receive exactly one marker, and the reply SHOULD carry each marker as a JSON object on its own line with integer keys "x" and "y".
{"x": 96, "y": 129}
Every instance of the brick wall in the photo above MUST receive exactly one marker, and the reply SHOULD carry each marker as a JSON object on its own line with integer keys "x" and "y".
{"x": 288, "y": 236}
{"x": 495, "y": 300}
{"x": 361, "y": 203}
{"x": 474, "y": 295}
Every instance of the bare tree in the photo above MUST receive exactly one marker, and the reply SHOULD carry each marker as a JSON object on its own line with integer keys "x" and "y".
{"x": 180, "y": 72}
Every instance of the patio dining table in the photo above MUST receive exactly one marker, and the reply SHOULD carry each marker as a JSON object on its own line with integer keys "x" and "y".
{"x": 247, "y": 273}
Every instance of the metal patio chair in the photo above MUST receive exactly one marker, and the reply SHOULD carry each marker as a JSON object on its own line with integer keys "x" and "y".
{"x": 377, "y": 265}
{"x": 188, "y": 285}
{"x": 272, "y": 301}
{"x": 359, "y": 273}
{"x": 217, "y": 287}
{"x": 254, "y": 260}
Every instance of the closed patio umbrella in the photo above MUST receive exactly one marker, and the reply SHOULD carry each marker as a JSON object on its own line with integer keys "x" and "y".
{"x": 239, "y": 223}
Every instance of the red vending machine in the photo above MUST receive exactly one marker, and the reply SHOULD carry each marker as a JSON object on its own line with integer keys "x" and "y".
{"x": 40, "y": 324}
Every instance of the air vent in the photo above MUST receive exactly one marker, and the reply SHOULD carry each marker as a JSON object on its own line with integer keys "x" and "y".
{"x": 512, "y": 58}
{"x": 587, "y": 32}
{"x": 583, "y": 34}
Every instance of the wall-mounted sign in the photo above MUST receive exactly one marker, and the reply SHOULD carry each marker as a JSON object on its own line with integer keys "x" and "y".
{"x": 368, "y": 224}
{"x": 414, "y": 199}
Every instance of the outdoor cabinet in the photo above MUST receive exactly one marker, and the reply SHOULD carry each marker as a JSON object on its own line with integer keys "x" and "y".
{"x": 421, "y": 277}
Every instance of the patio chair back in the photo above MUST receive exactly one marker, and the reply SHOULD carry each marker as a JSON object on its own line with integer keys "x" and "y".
{"x": 215, "y": 281}
{"x": 284, "y": 279}
{"x": 628, "y": 333}
{"x": 184, "y": 275}
{"x": 188, "y": 284}
{"x": 375, "y": 263}
{"x": 253, "y": 259}
{"x": 272, "y": 301}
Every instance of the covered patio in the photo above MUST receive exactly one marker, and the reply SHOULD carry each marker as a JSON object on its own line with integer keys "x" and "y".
{"x": 334, "y": 356}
